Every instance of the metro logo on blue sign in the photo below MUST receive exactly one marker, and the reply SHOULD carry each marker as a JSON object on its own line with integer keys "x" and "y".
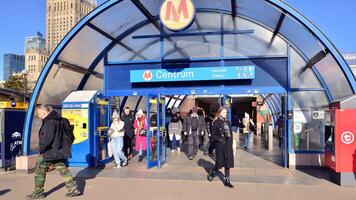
{"x": 192, "y": 74}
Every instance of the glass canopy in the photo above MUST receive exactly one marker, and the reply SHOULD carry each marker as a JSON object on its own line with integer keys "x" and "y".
{"x": 317, "y": 69}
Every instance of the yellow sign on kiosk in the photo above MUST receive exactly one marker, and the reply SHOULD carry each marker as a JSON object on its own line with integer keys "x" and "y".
{"x": 177, "y": 14}
{"x": 79, "y": 119}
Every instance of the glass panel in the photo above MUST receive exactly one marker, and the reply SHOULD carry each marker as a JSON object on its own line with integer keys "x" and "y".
{"x": 301, "y": 78}
{"x": 117, "y": 19}
{"x": 140, "y": 46}
{"x": 302, "y": 38}
{"x": 308, "y": 131}
{"x": 94, "y": 83}
{"x": 132, "y": 102}
{"x": 119, "y": 53}
{"x": 260, "y": 11}
{"x": 192, "y": 47}
{"x": 53, "y": 93}
{"x": 77, "y": 51}
{"x": 334, "y": 77}
{"x": 258, "y": 43}
{"x": 213, "y": 4}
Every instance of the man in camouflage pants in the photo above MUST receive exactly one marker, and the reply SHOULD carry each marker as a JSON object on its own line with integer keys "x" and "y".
{"x": 53, "y": 154}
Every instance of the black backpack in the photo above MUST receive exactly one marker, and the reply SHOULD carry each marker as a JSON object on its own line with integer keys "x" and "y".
{"x": 67, "y": 131}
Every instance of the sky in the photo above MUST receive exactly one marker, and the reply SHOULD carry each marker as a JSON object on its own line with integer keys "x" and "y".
{"x": 23, "y": 18}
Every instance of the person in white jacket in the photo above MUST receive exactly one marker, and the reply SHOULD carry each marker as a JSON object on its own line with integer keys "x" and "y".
{"x": 117, "y": 132}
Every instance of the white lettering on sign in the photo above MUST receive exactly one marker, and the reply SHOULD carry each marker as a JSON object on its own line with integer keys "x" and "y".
{"x": 172, "y": 75}
{"x": 347, "y": 137}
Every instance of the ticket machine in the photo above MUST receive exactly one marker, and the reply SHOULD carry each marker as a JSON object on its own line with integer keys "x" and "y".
{"x": 87, "y": 112}
{"x": 340, "y": 133}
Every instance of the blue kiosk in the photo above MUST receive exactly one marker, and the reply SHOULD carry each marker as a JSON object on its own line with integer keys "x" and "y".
{"x": 87, "y": 113}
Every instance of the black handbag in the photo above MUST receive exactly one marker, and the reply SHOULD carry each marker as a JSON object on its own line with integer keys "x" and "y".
{"x": 252, "y": 127}
{"x": 143, "y": 132}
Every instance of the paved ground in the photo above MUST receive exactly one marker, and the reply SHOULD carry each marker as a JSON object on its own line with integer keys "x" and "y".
{"x": 258, "y": 175}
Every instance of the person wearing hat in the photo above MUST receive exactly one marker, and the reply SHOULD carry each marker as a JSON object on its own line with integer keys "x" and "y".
{"x": 194, "y": 125}
{"x": 247, "y": 123}
{"x": 117, "y": 133}
{"x": 140, "y": 131}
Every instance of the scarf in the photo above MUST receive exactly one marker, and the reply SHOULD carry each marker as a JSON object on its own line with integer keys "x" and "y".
{"x": 226, "y": 127}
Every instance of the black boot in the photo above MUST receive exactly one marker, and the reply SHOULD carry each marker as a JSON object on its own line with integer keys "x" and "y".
{"x": 211, "y": 175}
{"x": 227, "y": 183}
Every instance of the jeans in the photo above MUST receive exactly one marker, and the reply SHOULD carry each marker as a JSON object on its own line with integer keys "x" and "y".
{"x": 193, "y": 144}
{"x": 247, "y": 139}
{"x": 117, "y": 144}
{"x": 140, "y": 152}
{"x": 175, "y": 143}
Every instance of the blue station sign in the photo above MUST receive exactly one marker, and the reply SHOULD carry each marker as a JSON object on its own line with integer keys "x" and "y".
{"x": 193, "y": 74}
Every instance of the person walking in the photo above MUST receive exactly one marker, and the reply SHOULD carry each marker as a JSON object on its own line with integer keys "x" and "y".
{"x": 54, "y": 148}
{"x": 280, "y": 129}
{"x": 117, "y": 133}
{"x": 194, "y": 125}
{"x": 222, "y": 137}
{"x": 175, "y": 131}
{"x": 247, "y": 123}
{"x": 129, "y": 137}
{"x": 141, "y": 132}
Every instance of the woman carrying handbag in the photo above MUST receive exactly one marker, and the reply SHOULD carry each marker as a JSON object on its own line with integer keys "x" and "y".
{"x": 222, "y": 137}
{"x": 140, "y": 131}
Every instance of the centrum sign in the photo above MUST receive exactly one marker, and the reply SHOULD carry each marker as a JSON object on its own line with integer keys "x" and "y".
{"x": 193, "y": 74}
{"x": 177, "y": 14}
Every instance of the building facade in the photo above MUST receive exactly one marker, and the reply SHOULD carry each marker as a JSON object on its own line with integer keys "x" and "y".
{"x": 62, "y": 15}
{"x": 36, "y": 57}
{"x": 351, "y": 60}
{"x": 13, "y": 64}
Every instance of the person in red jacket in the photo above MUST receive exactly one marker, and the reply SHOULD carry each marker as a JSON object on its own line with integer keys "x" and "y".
{"x": 140, "y": 131}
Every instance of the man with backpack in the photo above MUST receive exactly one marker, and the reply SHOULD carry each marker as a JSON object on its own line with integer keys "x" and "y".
{"x": 55, "y": 140}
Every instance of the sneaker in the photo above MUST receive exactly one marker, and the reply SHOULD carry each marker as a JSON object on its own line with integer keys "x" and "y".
{"x": 211, "y": 175}
{"x": 227, "y": 183}
{"x": 124, "y": 164}
{"x": 74, "y": 193}
{"x": 172, "y": 150}
{"x": 35, "y": 195}
{"x": 118, "y": 166}
{"x": 190, "y": 157}
{"x": 140, "y": 159}
{"x": 178, "y": 149}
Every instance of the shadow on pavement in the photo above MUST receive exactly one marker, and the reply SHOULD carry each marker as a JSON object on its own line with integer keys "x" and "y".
{"x": 207, "y": 165}
{"x": 2, "y": 192}
{"x": 81, "y": 177}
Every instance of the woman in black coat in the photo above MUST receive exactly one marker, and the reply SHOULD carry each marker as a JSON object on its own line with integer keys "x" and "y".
{"x": 222, "y": 136}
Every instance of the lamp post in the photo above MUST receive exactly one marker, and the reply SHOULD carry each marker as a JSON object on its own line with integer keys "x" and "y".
{"x": 25, "y": 73}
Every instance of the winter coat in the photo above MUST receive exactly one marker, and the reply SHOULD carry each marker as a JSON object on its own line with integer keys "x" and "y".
{"x": 188, "y": 124}
{"x": 51, "y": 143}
{"x": 118, "y": 129}
{"x": 129, "y": 121}
{"x": 246, "y": 121}
{"x": 140, "y": 139}
{"x": 223, "y": 144}
{"x": 175, "y": 128}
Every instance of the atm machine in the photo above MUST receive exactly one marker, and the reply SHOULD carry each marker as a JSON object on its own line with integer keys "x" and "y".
{"x": 88, "y": 113}
{"x": 340, "y": 148}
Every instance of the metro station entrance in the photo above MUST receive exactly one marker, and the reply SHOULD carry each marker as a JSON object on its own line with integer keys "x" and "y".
{"x": 265, "y": 115}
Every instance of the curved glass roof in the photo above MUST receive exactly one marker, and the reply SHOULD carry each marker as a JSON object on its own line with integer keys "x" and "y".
{"x": 78, "y": 61}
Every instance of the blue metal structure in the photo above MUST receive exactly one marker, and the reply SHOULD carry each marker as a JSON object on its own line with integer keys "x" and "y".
{"x": 127, "y": 33}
